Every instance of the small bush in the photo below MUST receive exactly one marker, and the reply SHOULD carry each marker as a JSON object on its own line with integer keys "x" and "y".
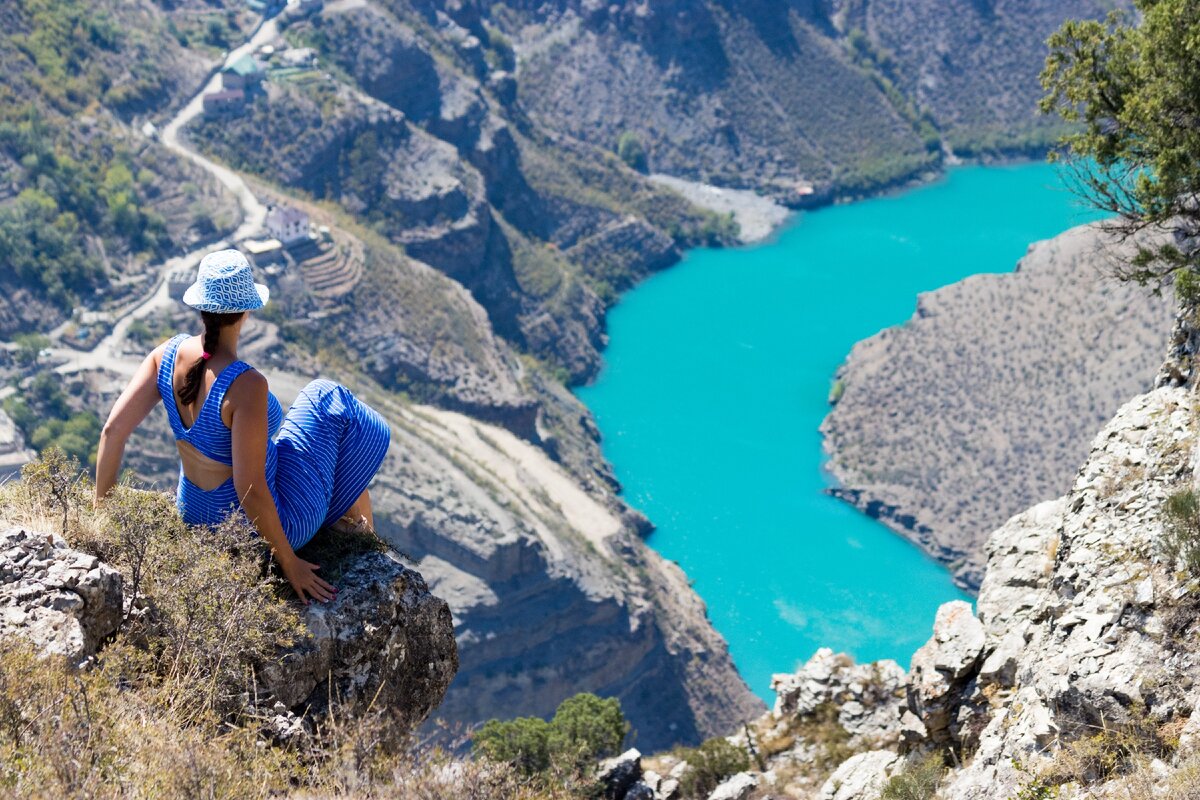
{"x": 584, "y": 729}
{"x": 1180, "y": 544}
{"x": 630, "y": 150}
{"x": 709, "y": 764}
{"x": 917, "y": 780}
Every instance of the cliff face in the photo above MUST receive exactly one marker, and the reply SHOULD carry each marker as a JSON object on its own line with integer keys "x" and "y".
{"x": 1036, "y": 359}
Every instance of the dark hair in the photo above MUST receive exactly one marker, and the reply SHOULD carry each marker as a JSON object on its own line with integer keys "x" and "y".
{"x": 213, "y": 322}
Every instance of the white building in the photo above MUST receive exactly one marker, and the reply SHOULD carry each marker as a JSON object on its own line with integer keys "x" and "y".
{"x": 288, "y": 225}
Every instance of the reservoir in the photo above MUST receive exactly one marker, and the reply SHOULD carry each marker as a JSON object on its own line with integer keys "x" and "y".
{"x": 716, "y": 379}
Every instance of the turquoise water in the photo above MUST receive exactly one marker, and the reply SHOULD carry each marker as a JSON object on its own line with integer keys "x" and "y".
{"x": 716, "y": 378}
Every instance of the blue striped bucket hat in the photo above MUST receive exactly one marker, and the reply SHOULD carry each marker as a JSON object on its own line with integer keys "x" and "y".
{"x": 225, "y": 285}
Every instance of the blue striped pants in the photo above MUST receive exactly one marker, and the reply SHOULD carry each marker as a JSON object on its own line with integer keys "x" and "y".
{"x": 329, "y": 447}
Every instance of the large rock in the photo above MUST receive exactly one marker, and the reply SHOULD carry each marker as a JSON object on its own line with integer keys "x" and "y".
{"x": 736, "y": 787}
{"x": 943, "y": 666}
{"x": 868, "y": 697}
{"x": 860, "y": 777}
{"x": 63, "y": 601}
{"x": 385, "y": 640}
{"x": 619, "y": 774}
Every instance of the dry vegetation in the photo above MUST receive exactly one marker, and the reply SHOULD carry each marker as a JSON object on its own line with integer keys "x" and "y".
{"x": 167, "y": 708}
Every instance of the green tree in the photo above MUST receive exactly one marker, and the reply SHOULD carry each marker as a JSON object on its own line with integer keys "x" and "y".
{"x": 523, "y": 742}
{"x": 630, "y": 150}
{"x": 583, "y": 730}
{"x": 1134, "y": 93}
{"x": 588, "y": 728}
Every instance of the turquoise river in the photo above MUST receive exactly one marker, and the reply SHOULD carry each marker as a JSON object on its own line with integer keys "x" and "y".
{"x": 716, "y": 379}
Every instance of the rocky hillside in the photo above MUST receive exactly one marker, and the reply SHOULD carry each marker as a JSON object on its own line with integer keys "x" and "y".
{"x": 1042, "y": 356}
{"x": 87, "y": 202}
{"x": 847, "y": 95}
{"x": 1074, "y": 677}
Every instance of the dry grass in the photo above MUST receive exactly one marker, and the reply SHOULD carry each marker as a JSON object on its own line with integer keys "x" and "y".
{"x": 167, "y": 708}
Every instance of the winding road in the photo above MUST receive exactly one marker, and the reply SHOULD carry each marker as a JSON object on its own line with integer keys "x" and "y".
{"x": 108, "y": 353}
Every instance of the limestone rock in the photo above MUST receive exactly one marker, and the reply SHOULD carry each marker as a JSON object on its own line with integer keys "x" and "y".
{"x": 63, "y": 601}
{"x": 942, "y": 667}
{"x": 385, "y": 639}
{"x": 736, "y": 787}
{"x": 869, "y": 697}
{"x": 860, "y": 777}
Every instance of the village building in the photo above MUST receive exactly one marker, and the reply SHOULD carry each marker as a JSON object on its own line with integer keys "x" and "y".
{"x": 225, "y": 103}
{"x": 245, "y": 73}
{"x": 263, "y": 252}
{"x": 288, "y": 225}
{"x": 298, "y": 57}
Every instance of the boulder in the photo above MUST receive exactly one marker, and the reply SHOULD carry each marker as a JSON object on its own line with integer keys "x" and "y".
{"x": 944, "y": 666}
{"x": 869, "y": 697}
{"x": 384, "y": 640}
{"x": 618, "y": 775}
{"x": 63, "y": 601}
{"x": 737, "y": 787}
{"x": 860, "y": 777}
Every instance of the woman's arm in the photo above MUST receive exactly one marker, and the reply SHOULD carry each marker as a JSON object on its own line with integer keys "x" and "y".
{"x": 138, "y": 399}
{"x": 248, "y": 398}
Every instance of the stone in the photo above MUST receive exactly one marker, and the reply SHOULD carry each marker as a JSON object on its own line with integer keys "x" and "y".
{"x": 869, "y": 696}
{"x": 669, "y": 790}
{"x": 860, "y": 777}
{"x": 385, "y": 639}
{"x": 61, "y": 600}
{"x": 640, "y": 790}
{"x": 736, "y": 787}
{"x": 942, "y": 667}
{"x": 617, "y": 775}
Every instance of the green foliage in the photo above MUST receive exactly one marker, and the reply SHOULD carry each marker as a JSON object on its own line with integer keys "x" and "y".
{"x": 585, "y": 728}
{"x": 45, "y": 417}
{"x": 1180, "y": 542}
{"x": 917, "y": 781}
{"x": 709, "y": 764}
{"x": 1134, "y": 93}
{"x": 630, "y": 150}
{"x": 28, "y": 347}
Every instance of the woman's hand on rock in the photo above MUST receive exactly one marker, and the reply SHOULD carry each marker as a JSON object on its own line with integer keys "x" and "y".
{"x": 302, "y": 575}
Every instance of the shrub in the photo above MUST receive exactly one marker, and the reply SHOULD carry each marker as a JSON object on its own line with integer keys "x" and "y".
{"x": 630, "y": 150}
{"x": 917, "y": 780}
{"x": 1180, "y": 543}
{"x": 709, "y": 764}
{"x": 584, "y": 729}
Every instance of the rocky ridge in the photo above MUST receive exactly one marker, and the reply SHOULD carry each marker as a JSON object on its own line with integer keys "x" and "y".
{"x": 1039, "y": 357}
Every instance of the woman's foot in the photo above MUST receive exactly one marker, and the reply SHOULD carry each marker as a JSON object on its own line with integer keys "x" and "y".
{"x": 350, "y": 524}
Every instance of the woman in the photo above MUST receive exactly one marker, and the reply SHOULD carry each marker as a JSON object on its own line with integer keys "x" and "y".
{"x": 313, "y": 474}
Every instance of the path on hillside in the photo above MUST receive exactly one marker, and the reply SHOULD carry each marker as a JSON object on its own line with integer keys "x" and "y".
{"x": 107, "y": 353}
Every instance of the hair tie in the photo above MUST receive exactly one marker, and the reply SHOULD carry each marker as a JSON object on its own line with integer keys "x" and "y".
{"x": 206, "y": 356}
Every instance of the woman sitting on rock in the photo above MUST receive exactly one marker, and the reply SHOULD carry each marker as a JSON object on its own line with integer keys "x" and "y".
{"x": 290, "y": 479}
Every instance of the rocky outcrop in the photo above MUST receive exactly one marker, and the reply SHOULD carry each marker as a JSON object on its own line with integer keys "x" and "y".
{"x": 1037, "y": 360}
{"x": 1078, "y": 668}
{"x": 63, "y": 601}
{"x": 384, "y": 640}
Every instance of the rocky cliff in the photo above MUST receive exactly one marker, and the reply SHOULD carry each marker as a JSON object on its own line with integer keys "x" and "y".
{"x": 1035, "y": 360}
{"x": 1076, "y": 674}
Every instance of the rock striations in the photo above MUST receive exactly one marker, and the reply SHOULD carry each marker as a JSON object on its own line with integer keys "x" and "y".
{"x": 985, "y": 400}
